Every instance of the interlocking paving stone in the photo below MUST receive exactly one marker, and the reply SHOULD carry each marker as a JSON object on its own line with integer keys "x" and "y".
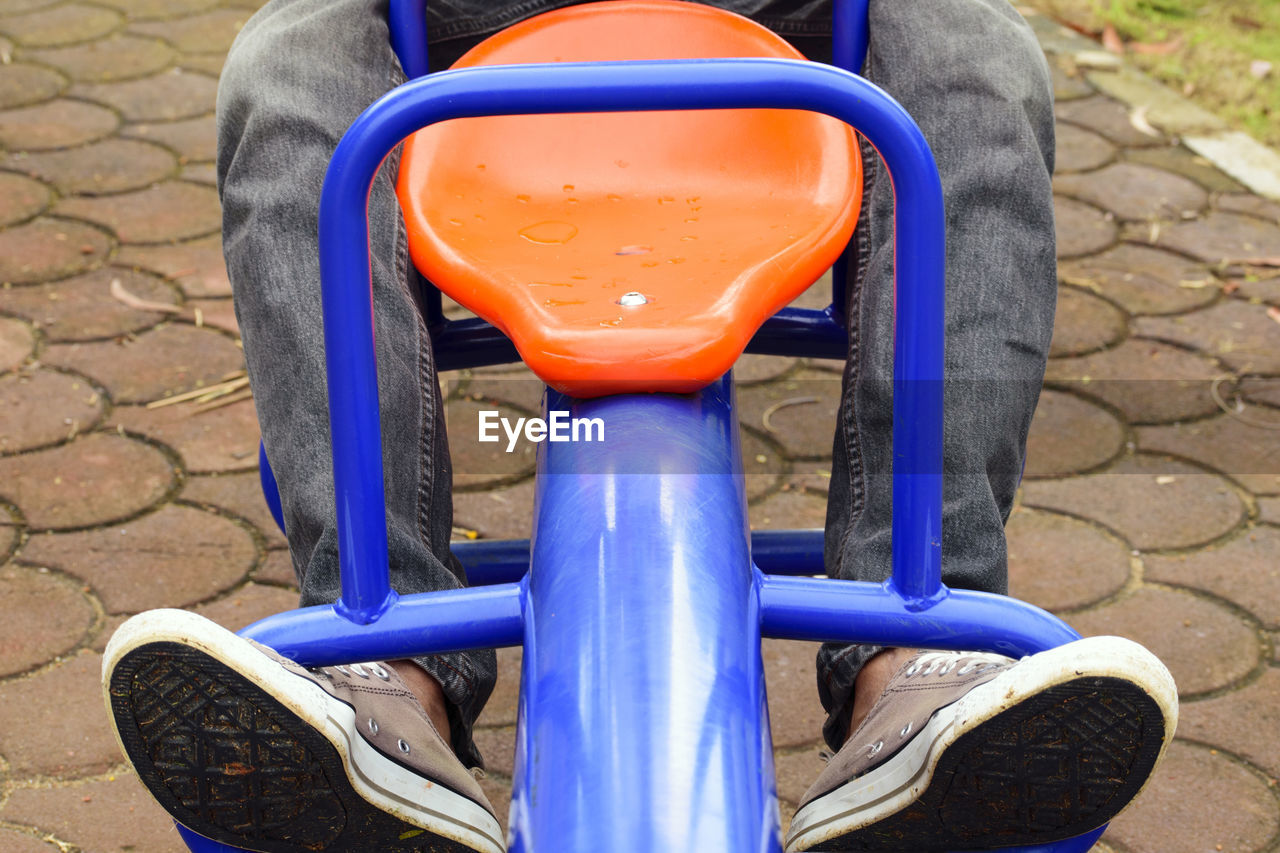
{"x": 214, "y": 314}
{"x": 504, "y": 513}
{"x": 55, "y": 124}
{"x": 500, "y": 710}
{"x": 1084, "y": 323}
{"x": 17, "y": 7}
{"x": 790, "y": 510}
{"x": 1204, "y": 645}
{"x": 520, "y": 393}
{"x": 201, "y": 173}
{"x": 1148, "y": 381}
{"x": 1261, "y": 389}
{"x": 114, "y": 814}
{"x": 196, "y": 266}
{"x": 194, "y": 139}
{"x": 1134, "y": 191}
{"x": 109, "y": 166}
{"x": 211, "y": 32}
{"x": 1245, "y": 721}
{"x": 25, "y": 842}
{"x": 1183, "y": 161}
{"x": 796, "y": 771}
{"x": 22, "y": 84}
{"x": 1198, "y": 801}
{"x": 17, "y": 342}
{"x": 173, "y": 210}
{"x": 117, "y": 57}
{"x": 172, "y": 95}
{"x": 1222, "y": 237}
{"x": 212, "y": 442}
{"x": 1080, "y": 150}
{"x": 1241, "y": 450}
{"x": 1269, "y": 510}
{"x": 82, "y": 308}
{"x": 795, "y": 714}
{"x": 1250, "y": 204}
{"x": 152, "y": 10}
{"x": 1264, "y": 290}
{"x": 206, "y": 63}
{"x": 73, "y": 743}
{"x": 173, "y": 557}
{"x": 46, "y": 249}
{"x": 158, "y": 363}
{"x": 800, "y": 411}
{"x": 44, "y": 407}
{"x": 277, "y": 568}
{"x": 1069, "y": 435}
{"x": 762, "y": 465}
{"x": 240, "y": 494}
{"x": 1061, "y": 563}
{"x": 1067, "y": 82}
{"x": 42, "y": 616}
{"x": 763, "y": 368}
{"x": 1136, "y": 498}
{"x": 8, "y": 533}
{"x": 811, "y": 477}
{"x": 1244, "y": 570}
{"x": 247, "y": 605}
{"x": 1081, "y": 228}
{"x": 1243, "y": 336}
{"x": 62, "y": 25}
{"x": 1143, "y": 280}
{"x": 20, "y": 198}
{"x": 1107, "y": 117}
{"x": 476, "y": 463}
{"x": 96, "y": 479}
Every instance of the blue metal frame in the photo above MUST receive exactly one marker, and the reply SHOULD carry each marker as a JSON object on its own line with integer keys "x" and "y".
{"x": 643, "y": 710}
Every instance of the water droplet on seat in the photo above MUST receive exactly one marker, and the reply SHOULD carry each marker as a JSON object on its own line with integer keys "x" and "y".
{"x": 549, "y": 233}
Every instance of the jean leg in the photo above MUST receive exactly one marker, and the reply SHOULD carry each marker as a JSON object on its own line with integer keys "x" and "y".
{"x": 972, "y": 75}
{"x": 298, "y": 74}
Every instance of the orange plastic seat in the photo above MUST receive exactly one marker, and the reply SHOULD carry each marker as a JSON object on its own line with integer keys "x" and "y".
{"x": 540, "y": 224}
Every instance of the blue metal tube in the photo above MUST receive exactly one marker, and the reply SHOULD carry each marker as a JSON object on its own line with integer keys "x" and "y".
{"x": 407, "y": 20}
{"x": 849, "y": 38}
{"x": 642, "y": 720}
{"x": 423, "y": 623}
{"x": 610, "y": 87}
{"x": 858, "y": 612}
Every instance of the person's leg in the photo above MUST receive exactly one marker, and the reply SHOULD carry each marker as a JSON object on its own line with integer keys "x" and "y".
{"x": 971, "y": 74}
{"x": 299, "y": 73}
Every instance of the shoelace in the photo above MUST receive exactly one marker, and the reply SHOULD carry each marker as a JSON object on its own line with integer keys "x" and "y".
{"x": 943, "y": 663}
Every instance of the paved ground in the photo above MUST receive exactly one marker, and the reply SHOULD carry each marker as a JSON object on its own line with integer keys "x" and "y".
{"x": 1151, "y": 507}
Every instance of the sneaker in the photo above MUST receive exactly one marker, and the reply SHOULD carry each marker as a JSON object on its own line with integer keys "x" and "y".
{"x": 978, "y": 751}
{"x": 249, "y": 749}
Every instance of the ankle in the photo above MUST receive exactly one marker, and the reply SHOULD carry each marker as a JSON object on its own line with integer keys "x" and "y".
{"x": 428, "y": 692}
{"x": 871, "y": 682}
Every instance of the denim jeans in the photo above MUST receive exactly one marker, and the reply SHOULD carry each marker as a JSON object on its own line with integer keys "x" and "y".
{"x": 969, "y": 71}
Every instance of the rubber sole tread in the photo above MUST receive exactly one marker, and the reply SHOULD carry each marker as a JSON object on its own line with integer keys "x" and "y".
{"x": 232, "y": 763}
{"x": 1057, "y": 765}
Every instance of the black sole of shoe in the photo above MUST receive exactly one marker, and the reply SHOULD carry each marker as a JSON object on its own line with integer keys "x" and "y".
{"x": 232, "y": 763}
{"x": 1057, "y": 765}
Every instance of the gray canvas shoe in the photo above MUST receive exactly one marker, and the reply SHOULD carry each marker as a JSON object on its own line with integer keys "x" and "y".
{"x": 250, "y": 749}
{"x": 978, "y": 751}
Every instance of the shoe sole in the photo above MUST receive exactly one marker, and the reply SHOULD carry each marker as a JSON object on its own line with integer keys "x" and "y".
{"x": 274, "y": 770}
{"x": 1042, "y": 753}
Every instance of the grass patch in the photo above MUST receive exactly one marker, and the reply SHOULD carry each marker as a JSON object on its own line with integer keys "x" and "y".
{"x": 1215, "y": 52}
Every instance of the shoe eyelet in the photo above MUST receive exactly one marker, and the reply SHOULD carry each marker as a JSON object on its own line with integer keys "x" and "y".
{"x": 875, "y": 750}
{"x": 950, "y": 666}
{"x": 358, "y": 669}
{"x": 404, "y": 747}
{"x": 377, "y": 670}
{"x": 373, "y": 726}
{"x": 912, "y": 670}
{"x": 342, "y": 669}
{"x": 906, "y": 730}
{"x": 966, "y": 669}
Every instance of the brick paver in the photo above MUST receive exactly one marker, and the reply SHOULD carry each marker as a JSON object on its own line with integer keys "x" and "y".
{"x": 1151, "y": 507}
